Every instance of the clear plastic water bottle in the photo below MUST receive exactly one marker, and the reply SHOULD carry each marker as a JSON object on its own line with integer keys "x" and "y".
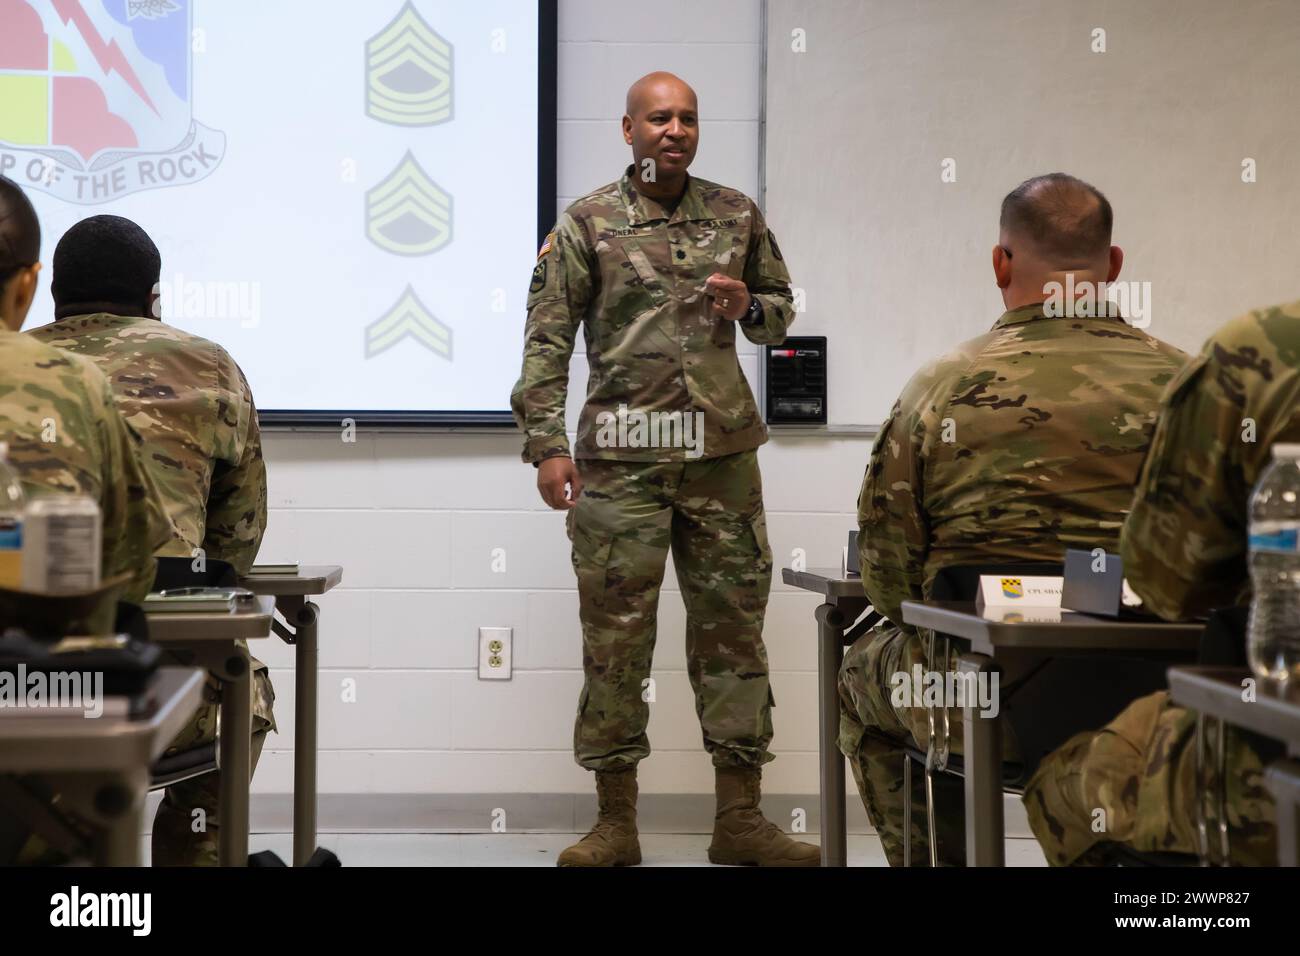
{"x": 1273, "y": 635}
{"x": 12, "y": 507}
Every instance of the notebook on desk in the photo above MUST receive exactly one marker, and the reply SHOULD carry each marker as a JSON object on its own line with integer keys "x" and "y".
{"x": 290, "y": 568}
{"x": 194, "y": 600}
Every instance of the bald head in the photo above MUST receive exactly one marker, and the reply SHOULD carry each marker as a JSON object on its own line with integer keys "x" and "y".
{"x": 662, "y": 127}
{"x": 1055, "y": 229}
{"x": 1063, "y": 220}
{"x": 656, "y": 88}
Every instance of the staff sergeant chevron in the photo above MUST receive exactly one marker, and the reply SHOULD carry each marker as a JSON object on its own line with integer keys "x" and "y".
{"x": 408, "y": 214}
{"x": 411, "y": 318}
{"x": 409, "y": 73}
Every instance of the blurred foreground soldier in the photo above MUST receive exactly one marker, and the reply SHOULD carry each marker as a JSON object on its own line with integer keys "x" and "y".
{"x": 193, "y": 408}
{"x": 660, "y": 269}
{"x": 1019, "y": 444}
{"x": 66, "y": 437}
{"x": 1184, "y": 547}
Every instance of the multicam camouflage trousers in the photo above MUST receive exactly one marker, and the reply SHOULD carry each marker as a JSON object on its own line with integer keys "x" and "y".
{"x": 1134, "y": 783}
{"x": 710, "y": 513}
{"x": 874, "y": 735}
{"x": 182, "y": 837}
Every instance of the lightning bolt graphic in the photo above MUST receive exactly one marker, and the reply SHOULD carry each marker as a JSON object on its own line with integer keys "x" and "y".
{"x": 109, "y": 55}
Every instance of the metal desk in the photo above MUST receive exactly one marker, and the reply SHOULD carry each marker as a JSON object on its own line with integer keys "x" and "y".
{"x": 100, "y": 766}
{"x": 1020, "y": 636}
{"x": 291, "y": 592}
{"x": 1217, "y": 692}
{"x": 211, "y": 640}
{"x": 837, "y": 625}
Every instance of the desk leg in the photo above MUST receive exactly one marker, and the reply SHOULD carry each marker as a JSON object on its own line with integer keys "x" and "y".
{"x": 236, "y": 728}
{"x": 117, "y": 803}
{"x": 121, "y": 846}
{"x": 1283, "y": 780}
{"x": 830, "y": 652}
{"x": 985, "y": 832}
{"x": 304, "y": 745}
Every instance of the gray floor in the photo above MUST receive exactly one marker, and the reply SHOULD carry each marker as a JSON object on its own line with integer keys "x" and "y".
{"x": 541, "y": 849}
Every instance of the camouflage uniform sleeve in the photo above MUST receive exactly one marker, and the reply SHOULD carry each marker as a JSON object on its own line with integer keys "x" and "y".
{"x": 236, "y": 516}
{"x": 1184, "y": 540}
{"x": 768, "y": 281}
{"x": 135, "y": 524}
{"x": 558, "y": 297}
{"x": 892, "y": 531}
{"x": 893, "y": 527}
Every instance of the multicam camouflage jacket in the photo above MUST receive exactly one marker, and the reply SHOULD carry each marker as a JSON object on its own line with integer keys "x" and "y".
{"x": 1184, "y": 544}
{"x": 1021, "y": 443}
{"x": 634, "y": 277}
{"x": 191, "y": 404}
{"x": 65, "y": 437}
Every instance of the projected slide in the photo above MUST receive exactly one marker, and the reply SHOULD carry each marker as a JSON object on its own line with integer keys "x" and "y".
{"x": 344, "y": 194}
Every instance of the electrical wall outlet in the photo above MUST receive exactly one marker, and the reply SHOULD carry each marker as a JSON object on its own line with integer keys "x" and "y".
{"x": 495, "y": 653}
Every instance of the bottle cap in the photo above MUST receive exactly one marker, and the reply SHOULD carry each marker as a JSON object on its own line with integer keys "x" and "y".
{"x": 1286, "y": 450}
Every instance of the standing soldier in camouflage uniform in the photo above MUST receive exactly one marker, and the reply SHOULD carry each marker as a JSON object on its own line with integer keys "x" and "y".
{"x": 660, "y": 269}
{"x": 1019, "y": 444}
{"x": 64, "y": 434}
{"x": 193, "y": 407}
{"x": 1184, "y": 547}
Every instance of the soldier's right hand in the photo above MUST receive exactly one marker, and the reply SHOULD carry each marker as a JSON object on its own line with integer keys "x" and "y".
{"x": 552, "y": 476}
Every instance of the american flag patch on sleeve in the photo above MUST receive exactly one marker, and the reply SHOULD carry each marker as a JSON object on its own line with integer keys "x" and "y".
{"x": 546, "y": 245}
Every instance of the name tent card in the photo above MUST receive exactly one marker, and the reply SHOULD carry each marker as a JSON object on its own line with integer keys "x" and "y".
{"x": 1008, "y": 591}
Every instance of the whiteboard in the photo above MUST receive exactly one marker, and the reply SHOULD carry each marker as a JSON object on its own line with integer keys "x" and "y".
{"x": 344, "y": 195}
{"x": 894, "y": 263}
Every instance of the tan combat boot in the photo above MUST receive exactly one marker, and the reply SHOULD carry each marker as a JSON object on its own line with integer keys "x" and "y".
{"x": 612, "y": 841}
{"x": 742, "y": 836}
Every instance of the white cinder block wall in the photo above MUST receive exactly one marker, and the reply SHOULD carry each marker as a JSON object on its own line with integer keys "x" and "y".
{"x": 414, "y": 519}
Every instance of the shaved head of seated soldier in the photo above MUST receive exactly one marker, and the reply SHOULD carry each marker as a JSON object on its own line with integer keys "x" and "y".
{"x": 106, "y": 264}
{"x": 662, "y": 125}
{"x": 1053, "y": 226}
{"x": 20, "y": 252}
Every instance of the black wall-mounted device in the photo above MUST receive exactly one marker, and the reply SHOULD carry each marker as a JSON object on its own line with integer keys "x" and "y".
{"x": 796, "y": 381}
